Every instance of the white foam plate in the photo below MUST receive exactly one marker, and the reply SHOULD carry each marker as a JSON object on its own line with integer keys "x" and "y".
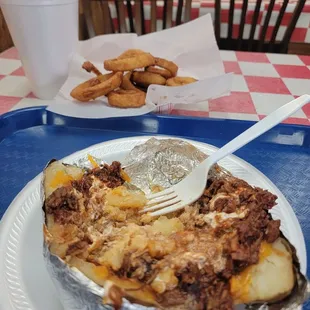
{"x": 24, "y": 281}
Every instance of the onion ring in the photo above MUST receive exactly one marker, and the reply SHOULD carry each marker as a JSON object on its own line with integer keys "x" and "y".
{"x": 163, "y": 72}
{"x": 131, "y": 53}
{"x": 97, "y": 87}
{"x": 126, "y": 98}
{"x": 180, "y": 80}
{"x": 127, "y": 84}
{"x": 167, "y": 64}
{"x": 129, "y": 63}
{"x": 145, "y": 78}
{"x": 89, "y": 67}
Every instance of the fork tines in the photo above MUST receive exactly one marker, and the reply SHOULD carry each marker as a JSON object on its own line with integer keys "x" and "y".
{"x": 160, "y": 200}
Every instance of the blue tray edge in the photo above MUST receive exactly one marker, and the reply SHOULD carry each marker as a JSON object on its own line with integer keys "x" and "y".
{"x": 35, "y": 116}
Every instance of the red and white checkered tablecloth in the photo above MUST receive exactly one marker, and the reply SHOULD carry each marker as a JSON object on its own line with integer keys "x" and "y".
{"x": 261, "y": 83}
{"x": 202, "y": 7}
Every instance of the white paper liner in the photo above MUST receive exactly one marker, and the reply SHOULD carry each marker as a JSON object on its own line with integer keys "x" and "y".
{"x": 192, "y": 46}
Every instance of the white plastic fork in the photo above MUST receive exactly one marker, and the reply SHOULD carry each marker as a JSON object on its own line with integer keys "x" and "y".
{"x": 192, "y": 186}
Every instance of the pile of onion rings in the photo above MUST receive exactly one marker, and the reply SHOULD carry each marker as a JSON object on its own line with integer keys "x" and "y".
{"x": 128, "y": 90}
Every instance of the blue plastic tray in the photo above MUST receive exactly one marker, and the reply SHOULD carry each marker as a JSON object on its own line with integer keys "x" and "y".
{"x": 30, "y": 137}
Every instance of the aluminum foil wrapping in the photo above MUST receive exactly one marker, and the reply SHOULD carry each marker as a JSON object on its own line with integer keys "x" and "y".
{"x": 154, "y": 163}
{"x": 164, "y": 163}
{"x": 76, "y": 291}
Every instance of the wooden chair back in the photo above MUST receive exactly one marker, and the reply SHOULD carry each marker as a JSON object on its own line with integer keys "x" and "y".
{"x": 260, "y": 44}
{"x": 130, "y": 15}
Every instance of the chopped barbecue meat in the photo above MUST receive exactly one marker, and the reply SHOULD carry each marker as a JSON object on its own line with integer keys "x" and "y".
{"x": 265, "y": 199}
{"x": 84, "y": 184}
{"x": 245, "y": 195}
{"x": 218, "y": 296}
{"x": 257, "y": 225}
{"x": 109, "y": 174}
{"x": 244, "y": 255}
{"x": 139, "y": 267}
{"x": 173, "y": 298}
{"x": 192, "y": 261}
{"x": 226, "y": 204}
{"x": 63, "y": 216}
{"x": 210, "y": 290}
{"x": 273, "y": 231}
{"x": 77, "y": 247}
{"x": 63, "y": 197}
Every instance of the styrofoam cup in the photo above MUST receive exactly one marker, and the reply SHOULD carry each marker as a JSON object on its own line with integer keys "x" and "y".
{"x": 45, "y": 33}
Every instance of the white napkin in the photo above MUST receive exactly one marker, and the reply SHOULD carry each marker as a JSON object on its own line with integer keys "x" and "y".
{"x": 191, "y": 46}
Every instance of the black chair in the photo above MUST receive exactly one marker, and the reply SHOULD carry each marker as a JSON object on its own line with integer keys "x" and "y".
{"x": 260, "y": 45}
{"x": 99, "y": 12}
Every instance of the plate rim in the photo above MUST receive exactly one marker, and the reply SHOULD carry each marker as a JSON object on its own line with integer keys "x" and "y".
{"x": 10, "y": 216}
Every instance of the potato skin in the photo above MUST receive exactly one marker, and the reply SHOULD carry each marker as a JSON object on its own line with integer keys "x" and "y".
{"x": 271, "y": 280}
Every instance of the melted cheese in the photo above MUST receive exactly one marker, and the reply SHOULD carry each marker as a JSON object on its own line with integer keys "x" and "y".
{"x": 57, "y": 175}
{"x": 92, "y": 161}
{"x": 101, "y": 272}
{"x": 125, "y": 176}
{"x": 271, "y": 277}
{"x": 240, "y": 284}
{"x": 266, "y": 250}
{"x": 60, "y": 178}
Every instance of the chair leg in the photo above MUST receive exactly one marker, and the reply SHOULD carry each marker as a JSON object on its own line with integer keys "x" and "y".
{"x": 130, "y": 15}
{"x": 88, "y": 18}
{"x": 188, "y": 9}
{"x": 120, "y": 7}
{"x": 289, "y": 31}
{"x": 217, "y": 21}
{"x": 138, "y": 17}
{"x": 179, "y": 13}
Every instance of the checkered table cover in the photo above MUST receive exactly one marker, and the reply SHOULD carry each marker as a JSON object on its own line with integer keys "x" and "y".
{"x": 261, "y": 83}
{"x": 202, "y": 7}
